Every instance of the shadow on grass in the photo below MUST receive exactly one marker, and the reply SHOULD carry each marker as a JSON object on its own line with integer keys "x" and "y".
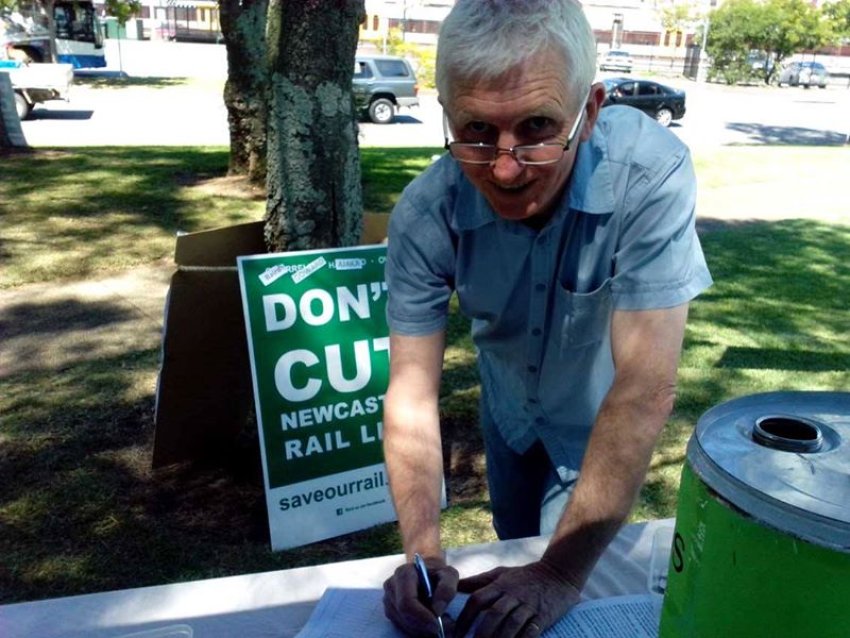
{"x": 96, "y": 179}
{"x": 53, "y": 320}
{"x": 52, "y": 114}
{"x": 786, "y": 280}
{"x": 103, "y": 206}
{"x": 400, "y": 119}
{"x": 784, "y": 359}
{"x": 787, "y": 135}
{"x": 118, "y": 80}
{"x": 82, "y": 511}
{"x": 123, "y": 205}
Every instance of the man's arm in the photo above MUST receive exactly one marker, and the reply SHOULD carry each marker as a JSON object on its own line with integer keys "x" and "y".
{"x": 414, "y": 459}
{"x": 646, "y": 347}
{"x": 412, "y": 445}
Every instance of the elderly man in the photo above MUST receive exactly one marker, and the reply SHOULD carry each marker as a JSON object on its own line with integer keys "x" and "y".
{"x": 568, "y": 234}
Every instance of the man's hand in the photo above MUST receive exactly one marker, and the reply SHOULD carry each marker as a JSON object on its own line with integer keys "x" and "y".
{"x": 407, "y": 610}
{"x": 515, "y": 602}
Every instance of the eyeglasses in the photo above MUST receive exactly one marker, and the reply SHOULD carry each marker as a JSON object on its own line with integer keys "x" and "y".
{"x": 524, "y": 154}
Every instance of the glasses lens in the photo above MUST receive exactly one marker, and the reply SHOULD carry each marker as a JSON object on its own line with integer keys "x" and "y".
{"x": 539, "y": 153}
{"x": 473, "y": 153}
{"x": 486, "y": 153}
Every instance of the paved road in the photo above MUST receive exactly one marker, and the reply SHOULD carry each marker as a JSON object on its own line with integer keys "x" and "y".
{"x": 174, "y": 98}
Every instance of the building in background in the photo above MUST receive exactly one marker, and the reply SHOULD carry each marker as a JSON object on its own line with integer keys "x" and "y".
{"x": 616, "y": 23}
{"x": 416, "y": 21}
{"x": 183, "y": 20}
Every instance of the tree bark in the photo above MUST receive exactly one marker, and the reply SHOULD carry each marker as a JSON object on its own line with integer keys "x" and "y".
{"x": 11, "y": 135}
{"x": 314, "y": 194}
{"x": 243, "y": 25}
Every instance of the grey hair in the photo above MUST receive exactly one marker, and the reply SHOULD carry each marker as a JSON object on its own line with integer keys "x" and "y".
{"x": 484, "y": 39}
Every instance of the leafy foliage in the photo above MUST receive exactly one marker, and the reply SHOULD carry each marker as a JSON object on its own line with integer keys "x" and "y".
{"x": 778, "y": 28}
{"x": 123, "y": 9}
{"x": 678, "y": 16}
{"x": 838, "y": 14}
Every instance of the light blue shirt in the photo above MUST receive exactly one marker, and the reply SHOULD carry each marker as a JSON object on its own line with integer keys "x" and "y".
{"x": 623, "y": 237}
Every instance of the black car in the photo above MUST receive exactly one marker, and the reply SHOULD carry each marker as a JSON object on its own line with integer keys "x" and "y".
{"x": 662, "y": 102}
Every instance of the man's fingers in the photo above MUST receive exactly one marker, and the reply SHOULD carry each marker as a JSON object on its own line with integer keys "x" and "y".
{"x": 531, "y": 630}
{"x": 477, "y": 602}
{"x": 403, "y": 607}
{"x": 517, "y": 622}
{"x": 497, "y": 621}
{"x": 445, "y": 588}
{"x": 472, "y": 583}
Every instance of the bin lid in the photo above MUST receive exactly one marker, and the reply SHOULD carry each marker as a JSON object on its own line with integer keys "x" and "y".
{"x": 783, "y": 458}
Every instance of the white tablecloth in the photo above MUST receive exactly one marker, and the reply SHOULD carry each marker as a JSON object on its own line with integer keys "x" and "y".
{"x": 278, "y": 603}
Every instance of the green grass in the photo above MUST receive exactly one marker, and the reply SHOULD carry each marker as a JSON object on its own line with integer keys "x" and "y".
{"x": 73, "y": 214}
{"x": 81, "y": 509}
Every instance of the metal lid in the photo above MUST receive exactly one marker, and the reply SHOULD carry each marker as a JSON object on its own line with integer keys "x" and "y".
{"x": 784, "y": 459}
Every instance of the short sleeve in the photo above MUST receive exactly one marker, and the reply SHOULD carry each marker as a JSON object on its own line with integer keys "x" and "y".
{"x": 420, "y": 260}
{"x": 659, "y": 261}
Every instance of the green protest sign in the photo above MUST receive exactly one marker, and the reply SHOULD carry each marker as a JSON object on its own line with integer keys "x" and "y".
{"x": 319, "y": 349}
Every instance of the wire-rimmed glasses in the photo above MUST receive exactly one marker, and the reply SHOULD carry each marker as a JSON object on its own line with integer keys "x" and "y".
{"x": 524, "y": 154}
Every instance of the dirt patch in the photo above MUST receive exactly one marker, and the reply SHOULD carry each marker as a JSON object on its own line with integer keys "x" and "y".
{"x": 232, "y": 186}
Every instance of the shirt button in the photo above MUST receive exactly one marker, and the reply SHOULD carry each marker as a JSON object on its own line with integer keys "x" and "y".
{"x": 532, "y": 368}
{"x": 540, "y": 420}
{"x": 540, "y": 287}
{"x": 536, "y": 332}
{"x": 563, "y": 473}
{"x": 534, "y": 401}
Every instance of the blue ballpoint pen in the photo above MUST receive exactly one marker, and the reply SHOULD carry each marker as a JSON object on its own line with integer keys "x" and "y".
{"x": 425, "y": 583}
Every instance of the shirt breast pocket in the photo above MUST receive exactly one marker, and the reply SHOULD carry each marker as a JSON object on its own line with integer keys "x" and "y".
{"x": 585, "y": 316}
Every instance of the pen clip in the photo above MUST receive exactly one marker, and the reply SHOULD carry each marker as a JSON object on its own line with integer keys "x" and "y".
{"x": 422, "y": 574}
{"x": 425, "y": 583}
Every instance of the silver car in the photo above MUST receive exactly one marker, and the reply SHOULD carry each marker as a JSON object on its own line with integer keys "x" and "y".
{"x": 804, "y": 74}
{"x": 617, "y": 60}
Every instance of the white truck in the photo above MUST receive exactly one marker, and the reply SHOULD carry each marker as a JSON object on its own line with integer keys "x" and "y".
{"x": 35, "y": 83}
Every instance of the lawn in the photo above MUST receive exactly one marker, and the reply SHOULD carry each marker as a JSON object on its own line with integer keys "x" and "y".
{"x": 82, "y": 511}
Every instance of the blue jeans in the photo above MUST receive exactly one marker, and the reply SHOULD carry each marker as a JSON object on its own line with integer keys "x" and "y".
{"x": 527, "y": 495}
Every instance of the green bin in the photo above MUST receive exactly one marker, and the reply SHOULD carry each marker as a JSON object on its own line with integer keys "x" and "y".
{"x": 762, "y": 538}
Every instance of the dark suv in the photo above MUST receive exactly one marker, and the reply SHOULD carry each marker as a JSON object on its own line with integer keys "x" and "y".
{"x": 382, "y": 84}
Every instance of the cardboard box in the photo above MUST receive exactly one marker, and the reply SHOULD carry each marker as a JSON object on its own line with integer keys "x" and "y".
{"x": 204, "y": 390}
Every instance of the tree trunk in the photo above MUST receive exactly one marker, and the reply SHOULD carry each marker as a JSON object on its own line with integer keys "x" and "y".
{"x": 314, "y": 195}
{"x": 11, "y": 134}
{"x": 51, "y": 29}
{"x": 243, "y": 25}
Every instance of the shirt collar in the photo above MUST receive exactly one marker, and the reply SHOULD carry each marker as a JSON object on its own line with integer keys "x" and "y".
{"x": 591, "y": 189}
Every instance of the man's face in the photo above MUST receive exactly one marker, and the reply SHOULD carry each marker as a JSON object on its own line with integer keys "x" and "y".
{"x": 529, "y": 105}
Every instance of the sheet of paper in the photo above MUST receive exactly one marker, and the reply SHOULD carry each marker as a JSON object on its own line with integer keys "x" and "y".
{"x": 618, "y": 617}
{"x": 342, "y": 613}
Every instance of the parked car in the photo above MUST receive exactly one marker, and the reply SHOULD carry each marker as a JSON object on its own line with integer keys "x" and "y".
{"x": 617, "y": 60}
{"x": 759, "y": 62}
{"x": 664, "y": 103}
{"x": 804, "y": 73}
{"x": 382, "y": 84}
{"x": 36, "y": 83}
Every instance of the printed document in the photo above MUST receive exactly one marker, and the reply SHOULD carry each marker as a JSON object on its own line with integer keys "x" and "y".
{"x": 342, "y": 613}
